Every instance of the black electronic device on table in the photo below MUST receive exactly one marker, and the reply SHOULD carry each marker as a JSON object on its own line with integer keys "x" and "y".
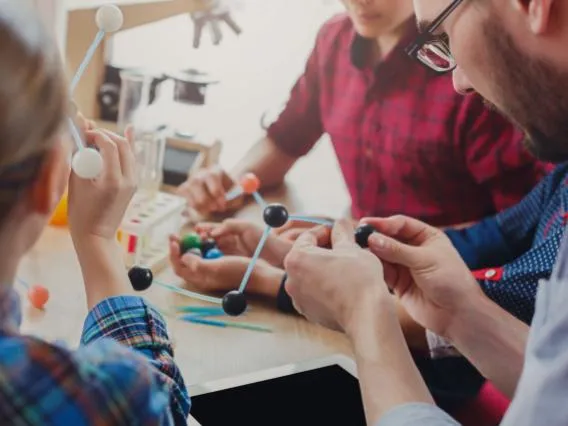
{"x": 184, "y": 155}
{"x": 178, "y": 163}
{"x": 317, "y": 392}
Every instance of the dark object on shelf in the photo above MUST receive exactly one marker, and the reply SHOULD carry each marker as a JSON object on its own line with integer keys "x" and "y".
{"x": 109, "y": 92}
{"x": 191, "y": 86}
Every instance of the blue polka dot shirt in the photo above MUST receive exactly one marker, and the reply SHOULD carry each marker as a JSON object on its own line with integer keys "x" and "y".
{"x": 512, "y": 252}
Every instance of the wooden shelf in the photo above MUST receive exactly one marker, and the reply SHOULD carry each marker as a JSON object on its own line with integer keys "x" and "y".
{"x": 94, "y": 4}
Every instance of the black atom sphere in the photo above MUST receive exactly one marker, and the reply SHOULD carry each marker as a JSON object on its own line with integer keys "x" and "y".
{"x": 207, "y": 245}
{"x": 140, "y": 278}
{"x": 275, "y": 215}
{"x": 362, "y": 234}
{"x": 234, "y": 303}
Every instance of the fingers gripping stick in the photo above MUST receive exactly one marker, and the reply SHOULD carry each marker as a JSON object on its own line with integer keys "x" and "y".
{"x": 87, "y": 163}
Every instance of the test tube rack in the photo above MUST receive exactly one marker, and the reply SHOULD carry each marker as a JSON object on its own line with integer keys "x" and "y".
{"x": 147, "y": 225}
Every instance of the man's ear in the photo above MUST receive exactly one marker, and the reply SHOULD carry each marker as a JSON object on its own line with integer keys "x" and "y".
{"x": 538, "y": 13}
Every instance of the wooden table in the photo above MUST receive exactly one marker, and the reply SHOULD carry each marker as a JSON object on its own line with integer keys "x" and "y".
{"x": 204, "y": 353}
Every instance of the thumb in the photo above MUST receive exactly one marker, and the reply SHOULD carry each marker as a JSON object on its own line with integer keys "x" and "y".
{"x": 403, "y": 228}
{"x": 227, "y": 181}
{"x": 393, "y": 251}
{"x": 318, "y": 236}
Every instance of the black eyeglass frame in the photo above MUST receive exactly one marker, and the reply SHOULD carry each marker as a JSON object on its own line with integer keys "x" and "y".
{"x": 428, "y": 35}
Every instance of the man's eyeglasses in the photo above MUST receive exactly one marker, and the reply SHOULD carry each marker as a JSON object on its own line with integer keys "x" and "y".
{"x": 431, "y": 49}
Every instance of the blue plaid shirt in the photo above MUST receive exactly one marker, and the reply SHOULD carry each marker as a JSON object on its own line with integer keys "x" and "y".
{"x": 123, "y": 373}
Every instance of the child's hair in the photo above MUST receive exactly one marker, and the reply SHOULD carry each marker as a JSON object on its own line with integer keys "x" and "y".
{"x": 33, "y": 98}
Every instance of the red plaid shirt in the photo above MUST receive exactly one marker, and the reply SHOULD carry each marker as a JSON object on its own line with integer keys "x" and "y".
{"x": 406, "y": 142}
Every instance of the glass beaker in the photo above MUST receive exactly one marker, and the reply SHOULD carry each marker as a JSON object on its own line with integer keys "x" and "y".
{"x": 135, "y": 93}
{"x": 149, "y": 149}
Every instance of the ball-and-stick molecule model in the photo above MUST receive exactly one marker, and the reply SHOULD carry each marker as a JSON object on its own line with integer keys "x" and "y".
{"x": 87, "y": 162}
{"x": 234, "y": 302}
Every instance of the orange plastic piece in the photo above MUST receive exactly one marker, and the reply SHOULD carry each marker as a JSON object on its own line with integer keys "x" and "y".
{"x": 250, "y": 183}
{"x": 59, "y": 217}
{"x": 38, "y": 296}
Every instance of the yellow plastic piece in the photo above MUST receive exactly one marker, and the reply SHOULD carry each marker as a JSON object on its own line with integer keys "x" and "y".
{"x": 59, "y": 217}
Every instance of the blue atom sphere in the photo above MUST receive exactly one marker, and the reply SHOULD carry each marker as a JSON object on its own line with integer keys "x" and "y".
{"x": 214, "y": 253}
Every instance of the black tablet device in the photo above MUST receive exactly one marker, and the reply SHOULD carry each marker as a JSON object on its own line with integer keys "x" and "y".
{"x": 178, "y": 162}
{"x": 318, "y": 392}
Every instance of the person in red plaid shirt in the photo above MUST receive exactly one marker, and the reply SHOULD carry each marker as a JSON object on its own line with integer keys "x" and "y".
{"x": 406, "y": 142}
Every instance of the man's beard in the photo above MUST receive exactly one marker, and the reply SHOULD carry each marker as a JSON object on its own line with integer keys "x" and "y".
{"x": 532, "y": 93}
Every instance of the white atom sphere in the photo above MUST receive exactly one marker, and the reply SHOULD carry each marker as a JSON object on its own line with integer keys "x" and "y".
{"x": 109, "y": 18}
{"x": 87, "y": 163}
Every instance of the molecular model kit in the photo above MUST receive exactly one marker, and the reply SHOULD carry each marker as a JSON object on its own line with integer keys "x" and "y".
{"x": 151, "y": 219}
{"x": 234, "y": 303}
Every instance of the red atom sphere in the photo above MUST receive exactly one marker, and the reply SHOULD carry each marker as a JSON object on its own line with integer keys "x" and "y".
{"x": 250, "y": 183}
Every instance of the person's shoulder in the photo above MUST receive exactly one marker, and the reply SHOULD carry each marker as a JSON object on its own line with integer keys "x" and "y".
{"x": 89, "y": 379}
{"x": 338, "y": 23}
{"x": 558, "y": 177}
{"x": 18, "y": 353}
{"x": 338, "y": 27}
{"x": 553, "y": 185}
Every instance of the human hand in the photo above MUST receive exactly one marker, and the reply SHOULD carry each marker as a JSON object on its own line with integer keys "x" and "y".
{"x": 205, "y": 191}
{"x": 240, "y": 238}
{"x": 294, "y": 228}
{"x": 225, "y": 273}
{"x": 84, "y": 124}
{"x": 332, "y": 286}
{"x": 96, "y": 207}
{"x": 424, "y": 270}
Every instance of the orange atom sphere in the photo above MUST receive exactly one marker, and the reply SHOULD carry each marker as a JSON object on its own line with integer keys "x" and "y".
{"x": 38, "y": 296}
{"x": 250, "y": 183}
